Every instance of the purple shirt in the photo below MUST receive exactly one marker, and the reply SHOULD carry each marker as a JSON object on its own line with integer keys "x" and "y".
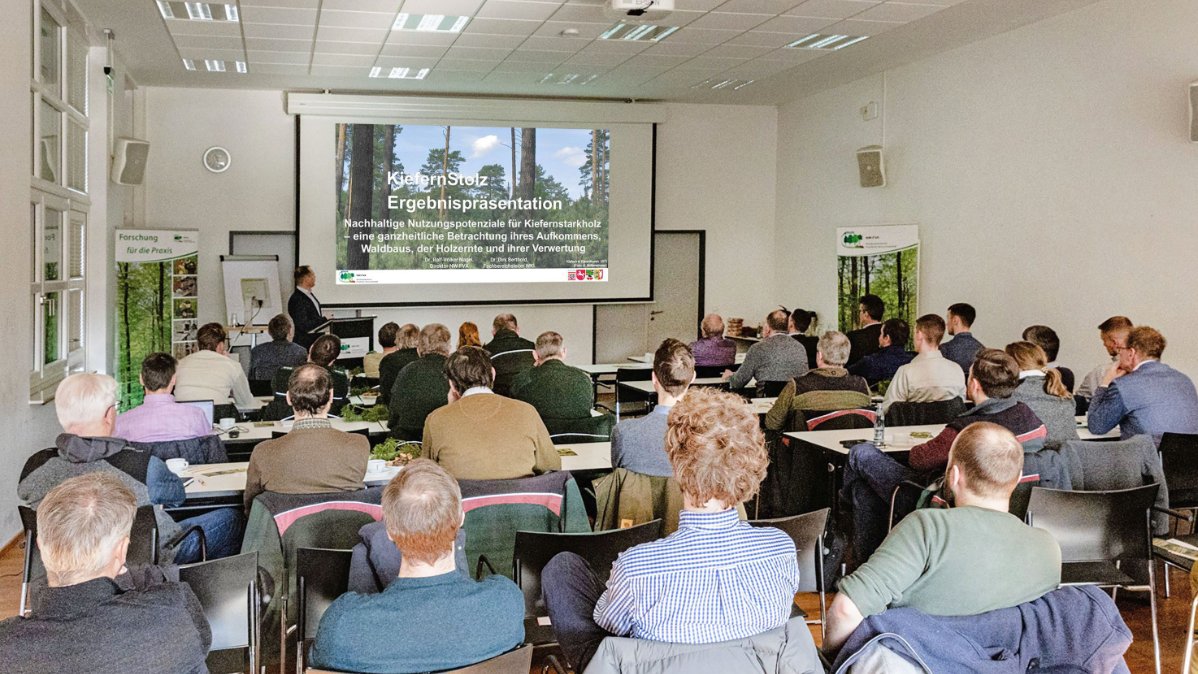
{"x": 159, "y": 418}
{"x": 713, "y": 351}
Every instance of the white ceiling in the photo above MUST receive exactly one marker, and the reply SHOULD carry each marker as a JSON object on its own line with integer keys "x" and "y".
{"x": 509, "y": 46}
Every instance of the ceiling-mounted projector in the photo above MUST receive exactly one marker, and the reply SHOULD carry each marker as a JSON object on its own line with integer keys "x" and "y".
{"x": 640, "y": 7}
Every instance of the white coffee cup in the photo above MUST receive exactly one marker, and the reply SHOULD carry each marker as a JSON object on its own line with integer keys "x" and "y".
{"x": 376, "y": 466}
{"x": 227, "y": 422}
{"x": 177, "y": 465}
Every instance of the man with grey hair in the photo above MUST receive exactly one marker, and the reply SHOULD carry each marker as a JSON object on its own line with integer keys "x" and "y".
{"x": 556, "y": 390}
{"x": 510, "y": 353}
{"x": 826, "y": 388}
{"x": 713, "y": 350}
{"x": 421, "y": 386}
{"x": 94, "y": 617}
{"x": 86, "y": 408}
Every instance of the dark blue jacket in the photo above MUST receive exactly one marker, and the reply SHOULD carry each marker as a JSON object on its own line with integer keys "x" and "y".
{"x": 881, "y": 364}
{"x": 961, "y": 349}
{"x": 1072, "y": 629}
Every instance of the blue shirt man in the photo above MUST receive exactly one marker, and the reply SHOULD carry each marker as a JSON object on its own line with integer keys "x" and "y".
{"x": 1141, "y": 395}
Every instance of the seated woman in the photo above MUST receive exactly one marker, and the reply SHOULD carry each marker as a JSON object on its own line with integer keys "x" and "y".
{"x": 828, "y": 387}
{"x": 1041, "y": 389}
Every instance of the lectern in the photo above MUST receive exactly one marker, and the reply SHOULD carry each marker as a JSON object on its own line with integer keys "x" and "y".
{"x": 357, "y": 337}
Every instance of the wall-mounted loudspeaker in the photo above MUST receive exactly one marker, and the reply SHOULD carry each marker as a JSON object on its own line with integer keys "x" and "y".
{"x": 1194, "y": 112}
{"x": 129, "y": 161}
{"x": 870, "y": 167}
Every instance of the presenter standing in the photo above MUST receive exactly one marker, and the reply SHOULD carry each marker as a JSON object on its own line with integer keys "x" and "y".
{"x": 303, "y": 307}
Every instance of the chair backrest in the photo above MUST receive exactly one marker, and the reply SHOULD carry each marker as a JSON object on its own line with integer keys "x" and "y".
{"x": 200, "y": 450}
{"x": 587, "y": 429}
{"x": 836, "y": 420}
{"x": 1096, "y": 465}
{"x": 534, "y": 549}
{"x": 321, "y": 575}
{"x": 1093, "y": 526}
{"x": 228, "y": 591}
{"x": 261, "y": 387}
{"x": 634, "y": 373}
{"x": 705, "y": 371}
{"x": 918, "y": 414}
{"x": 1179, "y": 460}
{"x": 518, "y": 661}
{"x": 770, "y": 389}
{"x": 807, "y": 531}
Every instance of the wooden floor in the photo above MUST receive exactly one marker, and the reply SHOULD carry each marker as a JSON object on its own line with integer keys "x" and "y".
{"x": 1174, "y": 614}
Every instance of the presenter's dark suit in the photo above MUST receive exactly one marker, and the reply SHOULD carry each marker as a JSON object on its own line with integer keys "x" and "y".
{"x": 556, "y": 390}
{"x": 863, "y": 342}
{"x": 507, "y": 367}
{"x": 305, "y": 315}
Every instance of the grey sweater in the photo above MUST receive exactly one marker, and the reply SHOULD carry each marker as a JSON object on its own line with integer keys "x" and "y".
{"x": 1056, "y": 413}
{"x": 775, "y": 358}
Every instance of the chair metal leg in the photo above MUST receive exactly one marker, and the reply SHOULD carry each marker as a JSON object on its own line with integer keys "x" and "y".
{"x": 1156, "y": 641}
{"x": 823, "y": 620}
{"x": 1165, "y": 570}
{"x": 1185, "y": 663}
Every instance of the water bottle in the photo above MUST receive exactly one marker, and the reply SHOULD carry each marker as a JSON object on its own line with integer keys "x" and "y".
{"x": 879, "y": 426}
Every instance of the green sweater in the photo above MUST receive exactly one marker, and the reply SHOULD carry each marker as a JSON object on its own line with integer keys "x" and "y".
{"x": 420, "y": 388}
{"x": 960, "y": 561}
{"x": 557, "y": 390}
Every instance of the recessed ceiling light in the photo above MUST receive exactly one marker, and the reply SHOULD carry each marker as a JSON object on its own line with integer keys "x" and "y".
{"x": 198, "y": 11}
{"x": 214, "y": 65}
{"x": 577, "y": 79}
{"x": 570, "y": 32}
{"x": 400, "y": 73}
{"x": 643, "y": 32}
{"x": 826, "y": 42}
{"x": 723, "y": 83}
{"x": 430, "y": 23}
{"x": 217, "y": 66}
{"x": 189, "y": 64}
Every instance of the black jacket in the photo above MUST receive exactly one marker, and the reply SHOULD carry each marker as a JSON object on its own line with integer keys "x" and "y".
{"x": 305, "y": 316}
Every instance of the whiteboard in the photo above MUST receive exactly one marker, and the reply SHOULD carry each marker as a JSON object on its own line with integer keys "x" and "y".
{"x": 251, "y": 280}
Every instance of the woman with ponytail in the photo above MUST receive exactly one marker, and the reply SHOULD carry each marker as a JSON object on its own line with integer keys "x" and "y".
{"x": 1040, "y": 388}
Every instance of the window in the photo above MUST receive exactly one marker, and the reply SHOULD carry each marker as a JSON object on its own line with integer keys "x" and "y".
{"x": 59, "y": 201}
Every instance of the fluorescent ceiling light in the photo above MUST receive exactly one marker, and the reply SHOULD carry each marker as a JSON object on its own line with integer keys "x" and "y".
{"x": 217, "y": 66}
{"x": 198, "y": 11}
{"x": 826, "y": 42}
{"x": 731, "y": 84}
{"x": 400, "y": 73}
{"x": 189, "y": 64}
{"x": 241, "y": 67}
{"x": 639, "y": 32}
{"x": 430, "y": 23}
{"x": 577, "y": 79}
{"x": 214, "y": 66}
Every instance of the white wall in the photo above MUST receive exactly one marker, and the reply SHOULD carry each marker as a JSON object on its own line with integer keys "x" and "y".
{"x": 715, "y": 171}
{"x": 1049, "y": 170}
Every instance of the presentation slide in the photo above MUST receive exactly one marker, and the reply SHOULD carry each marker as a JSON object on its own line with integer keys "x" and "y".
{"x": 446, "y": 204}
{"x": 491, "y": 208}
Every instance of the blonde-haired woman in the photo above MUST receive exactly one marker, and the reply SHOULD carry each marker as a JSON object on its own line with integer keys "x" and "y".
{"x": 1041, "y": 389}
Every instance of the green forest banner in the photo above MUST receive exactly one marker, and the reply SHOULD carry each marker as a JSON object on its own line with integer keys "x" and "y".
{"x": 883, "y": 261}
{"x": 156, "y": 300}
{"x": 446, "y": 204}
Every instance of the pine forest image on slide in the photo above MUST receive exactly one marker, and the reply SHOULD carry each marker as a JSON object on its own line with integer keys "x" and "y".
{"x": 892, "y": 276}
{"x": 144, "y": 310}
{"x": 444, "y": 197}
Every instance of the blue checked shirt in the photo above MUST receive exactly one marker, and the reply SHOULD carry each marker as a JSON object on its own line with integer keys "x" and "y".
{"x": 714, "y": 579}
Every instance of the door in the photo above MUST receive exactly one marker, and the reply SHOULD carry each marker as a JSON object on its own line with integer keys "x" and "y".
{"x": 623, "y": 330}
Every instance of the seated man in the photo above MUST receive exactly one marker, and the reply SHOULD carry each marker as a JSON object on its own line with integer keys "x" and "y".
{"x": 892, "y": 353}
{"x": 713, "y": 350}
{"x": 407, "y": 339}
{"x": 280, "y": 351}
{"x": 506, "y": 339}
{"x": 556, "y": 390}
{"x": 481, "y": 435}
{"x": 969, "y": 559}
{"x": 828, "y": 387}
{"x": 472, "y": 621}
{"x": 639, "y": 445}
{"x": 372, "y": 360}
{"x": 86, "y": 407}
{"x": 776, "y": 358}
{"x": 313, "y": 457}
{"x": 870, "y": 309}
{"x": 421, "y": 386}
{"x": 159, "y": 418}
{"x": 1046, "y": 338}
{"x": 1113, "y": 332}
{"x": 962, "y": 348}
{"x": 323, "y": 352}
{"x": 716, "y": 578}
{"x": 210, "y": 374}
{"x": 90, "y": 619}
{"x": 929, "y": 377}
{"x": 870, "y": 477}
{"x": 1141, "y": 395}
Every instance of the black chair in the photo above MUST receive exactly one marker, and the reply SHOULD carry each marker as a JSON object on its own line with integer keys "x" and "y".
{"x": 919, "y": 414}
{"x": 321, "y": 575}
{"x": 143, "y": 548}
{"x": 807, "y": 531}
{"x": 1179, "y": 460}
{"x": 534, "y": 549}
{"x": 518, "y": 661}
{"x": 261, "y": 387}
{"x": 771, "y": 389}
{"x": 707, "y": 371}
{"x": 1097, "y": 532}
{"x": 837, "y": 420}
{"x": 201, "y": 450}
{"x": 228, "y": 591}
{"x": 631, "y": 374}
{"x": 588, "y": 429}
